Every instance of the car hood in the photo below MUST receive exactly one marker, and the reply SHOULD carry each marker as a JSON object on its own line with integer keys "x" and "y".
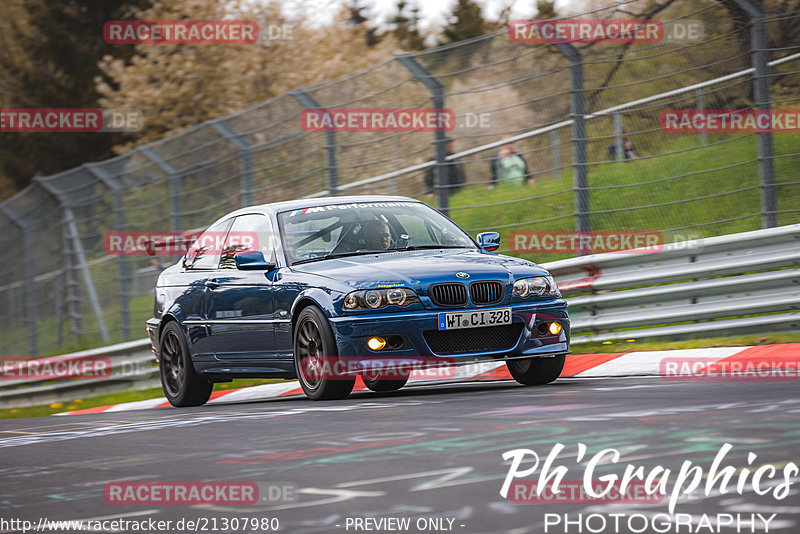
{"x": 418, "y": 269}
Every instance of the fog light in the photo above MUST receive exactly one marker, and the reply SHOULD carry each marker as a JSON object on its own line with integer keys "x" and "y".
{"x": 376, "y": 343}
{"x": 555, "y": 328}
{"x": 541, "y": 330}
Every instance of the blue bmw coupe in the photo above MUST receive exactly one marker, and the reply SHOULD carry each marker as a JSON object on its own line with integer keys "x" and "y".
{"x": 278, "y": 290}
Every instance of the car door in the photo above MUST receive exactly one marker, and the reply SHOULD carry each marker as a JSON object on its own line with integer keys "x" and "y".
{"x": 189, "y": 288}
{"x": 240, "y": 303}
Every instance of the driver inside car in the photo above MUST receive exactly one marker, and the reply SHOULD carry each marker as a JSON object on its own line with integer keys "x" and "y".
{"x": 377, "y": 235}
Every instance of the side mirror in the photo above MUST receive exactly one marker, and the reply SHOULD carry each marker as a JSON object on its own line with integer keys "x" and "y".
{"x": 252, "y": 260}
{"x": 489, "y": 241}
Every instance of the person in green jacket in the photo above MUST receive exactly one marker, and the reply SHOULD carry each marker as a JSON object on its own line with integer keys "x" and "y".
{"x": 509, "y": 166}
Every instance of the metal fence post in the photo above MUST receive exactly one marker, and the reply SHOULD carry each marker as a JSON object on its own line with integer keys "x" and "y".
{"x": 701, "y": 105}
{"x": 577, "y": 105}
{"x": 30, "y": 288}
{"x": 77, "y": 247}
{"x": 618, "y": 141}
{"x": 556, "y": 155}
{"x": 174, "y": 184}
{"x": 331, "y": 167}
{"x": 58, "y": 297}
{"x": 72, "y": 230}
{"x": 122, "y": 260}
{"x": 29, "y": 272}
{"x": 440, "y": 140}
{"x": 71, "y": 286}
{"x": 245, "y": 158}
{"x": 760, "y": 59}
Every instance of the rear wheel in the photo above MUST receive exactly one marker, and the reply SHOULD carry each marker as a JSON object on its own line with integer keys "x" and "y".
{"x": 374, "y": 380}
{"x": 181, "y": 384}
{"x": 536, "y": 371}
{"x": 316, "y": 358}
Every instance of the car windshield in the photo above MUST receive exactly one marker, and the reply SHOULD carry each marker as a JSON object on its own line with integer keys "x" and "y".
{"x": 338, "y": 230}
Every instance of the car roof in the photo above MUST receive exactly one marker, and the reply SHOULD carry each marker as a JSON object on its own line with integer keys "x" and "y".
{"x": 275, "y": 207}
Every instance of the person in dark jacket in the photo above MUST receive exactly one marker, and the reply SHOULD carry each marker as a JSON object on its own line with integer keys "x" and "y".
{"x": 509, "y": 166}
{"x": 627, "y": 150}
{"x": 454, "y": 176}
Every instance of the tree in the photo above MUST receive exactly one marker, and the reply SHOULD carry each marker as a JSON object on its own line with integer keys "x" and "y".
{"x": 406, "y": 27}
{"x": 783, "y": 30}
{"x": 358, "y": 19}
{"x": 466, "y": 21}
{"x": 546, "y": 9}
{"x": 50, "y": 51}
{"x": 178, "y": 86}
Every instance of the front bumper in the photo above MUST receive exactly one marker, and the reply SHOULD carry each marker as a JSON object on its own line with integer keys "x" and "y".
{"x": 353, "y": 331}
{"x": 152, "y": 325}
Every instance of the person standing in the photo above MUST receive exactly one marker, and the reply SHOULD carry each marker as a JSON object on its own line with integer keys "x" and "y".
{"x": 509, "y": 166}
{"x": 454, "y": 176}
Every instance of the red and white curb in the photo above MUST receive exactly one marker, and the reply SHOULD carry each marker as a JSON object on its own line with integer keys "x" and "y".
{"x": 646, "y": 363}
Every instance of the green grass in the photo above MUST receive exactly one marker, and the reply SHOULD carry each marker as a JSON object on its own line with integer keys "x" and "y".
{"x": 701, "y": 198}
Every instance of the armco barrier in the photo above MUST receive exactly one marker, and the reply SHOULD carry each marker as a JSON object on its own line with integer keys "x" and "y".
{"x": 707, "y": 285}
{"x": 711, "y": 284}
{"x": 132, "y": 367}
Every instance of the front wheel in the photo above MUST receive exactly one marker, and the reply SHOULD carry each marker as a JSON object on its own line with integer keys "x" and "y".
{"x": 536, "y": 371}
{"x": 316, "y": 358}
{"x": 181, "y": 384}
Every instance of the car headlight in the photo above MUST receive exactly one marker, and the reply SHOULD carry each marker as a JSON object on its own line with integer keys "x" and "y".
{"x": 373, "y": 299}
{"x": 538, "y": 286}
{"x": 396, "y": 296}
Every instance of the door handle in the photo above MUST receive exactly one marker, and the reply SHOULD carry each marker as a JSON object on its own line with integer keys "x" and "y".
{"x": 212, "y": 283}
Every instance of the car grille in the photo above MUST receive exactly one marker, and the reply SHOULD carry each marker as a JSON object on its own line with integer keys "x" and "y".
{"x": 486, "y": 292}
{"x": 464, "y": 340}
{"x": 448, "y": 294}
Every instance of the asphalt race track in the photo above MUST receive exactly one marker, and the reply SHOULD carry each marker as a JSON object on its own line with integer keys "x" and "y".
{"x": 431, "y": 455}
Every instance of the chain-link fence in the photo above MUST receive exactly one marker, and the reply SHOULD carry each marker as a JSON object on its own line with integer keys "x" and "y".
{"x": 584, "y": 117}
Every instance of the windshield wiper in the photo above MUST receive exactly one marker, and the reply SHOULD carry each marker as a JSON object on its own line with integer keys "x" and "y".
{"x": 431, "y": 247}
{"x": 343, "y": 255}
{"x": 368, "y": 252}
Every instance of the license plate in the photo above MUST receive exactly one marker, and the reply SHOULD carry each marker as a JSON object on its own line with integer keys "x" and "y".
{"x": 474, "y": 319}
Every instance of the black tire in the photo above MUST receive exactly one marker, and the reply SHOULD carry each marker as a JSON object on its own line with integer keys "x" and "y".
{"x": 374, "y": 382}
{"x": 314, "y": 349}
{"x": 536, "y": 371}
{"x": 181, "y": 384}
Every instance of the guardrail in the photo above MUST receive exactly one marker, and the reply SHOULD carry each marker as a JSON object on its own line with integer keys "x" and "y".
{"x": 708, "y": 285}
{"x": 131, "y": 367}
